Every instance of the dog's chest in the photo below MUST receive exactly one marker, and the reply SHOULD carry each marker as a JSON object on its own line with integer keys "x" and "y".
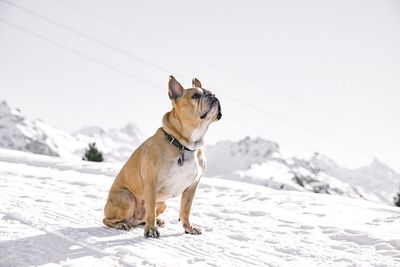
{"x": 177, "y": 178}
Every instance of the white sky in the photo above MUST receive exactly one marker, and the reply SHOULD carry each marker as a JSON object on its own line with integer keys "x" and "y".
{"x": 312, "y": 75}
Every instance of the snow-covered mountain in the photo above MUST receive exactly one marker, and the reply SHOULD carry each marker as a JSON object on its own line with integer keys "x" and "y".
{"x": 52, "y": 209}
{"x": 20, "y": 133}
{"x": 376, "y": 179}
{"x": 259, "y": 161}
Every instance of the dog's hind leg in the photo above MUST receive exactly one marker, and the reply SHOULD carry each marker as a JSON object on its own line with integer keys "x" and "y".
{"x": 119, "y": 210}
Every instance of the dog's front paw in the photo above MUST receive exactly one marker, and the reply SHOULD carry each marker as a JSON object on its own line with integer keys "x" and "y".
{"x": 192, "y": 230}
{"x": 151, "y": 232}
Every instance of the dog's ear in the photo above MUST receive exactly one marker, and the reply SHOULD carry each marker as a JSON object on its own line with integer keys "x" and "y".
{"x": 175, "y": 89}
{"x": 196, "y": 83}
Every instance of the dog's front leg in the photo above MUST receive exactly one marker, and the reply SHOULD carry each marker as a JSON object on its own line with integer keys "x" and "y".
{"x": 150, "y": 194}
{"x": 186, "y": 205}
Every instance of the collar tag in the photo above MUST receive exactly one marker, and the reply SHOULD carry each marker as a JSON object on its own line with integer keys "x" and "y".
{"x": 173, "y": 141}
{"x": 181, "y": 159}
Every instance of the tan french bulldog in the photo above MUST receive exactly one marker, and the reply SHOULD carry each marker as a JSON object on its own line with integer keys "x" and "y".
{"x": 166, "y": 165}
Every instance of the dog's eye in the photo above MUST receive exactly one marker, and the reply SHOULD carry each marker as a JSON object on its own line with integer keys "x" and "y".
{"x": 196, "y": 96}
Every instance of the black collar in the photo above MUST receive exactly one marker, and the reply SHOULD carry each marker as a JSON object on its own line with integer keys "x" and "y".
{"x": 172, "y": 140}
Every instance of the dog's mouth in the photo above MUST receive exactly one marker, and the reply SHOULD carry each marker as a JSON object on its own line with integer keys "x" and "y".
{"x": 214, "y": 102}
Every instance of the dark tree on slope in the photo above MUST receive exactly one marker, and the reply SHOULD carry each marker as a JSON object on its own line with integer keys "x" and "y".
{"x": 93, "y": 154}
{"x": 397, "y": 200}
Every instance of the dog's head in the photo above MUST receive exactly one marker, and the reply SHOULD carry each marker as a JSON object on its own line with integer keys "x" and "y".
{"x": 195, "y": 106}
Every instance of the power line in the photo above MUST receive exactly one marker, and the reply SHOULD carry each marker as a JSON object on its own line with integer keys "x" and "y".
{"x": 79, "y": 53}
{"x": 299, "y": 126}
{"x": 120, "y": 27}
{"x": 144, "y": 61}
{"x": 87, "y": 37}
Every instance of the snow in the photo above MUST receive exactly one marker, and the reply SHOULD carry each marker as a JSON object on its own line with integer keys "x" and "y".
{"x": 51, "y": 215}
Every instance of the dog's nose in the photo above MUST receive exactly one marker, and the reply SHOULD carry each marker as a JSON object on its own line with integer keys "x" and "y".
{"x": 208, "y": 93}
{"x": 210, "y": 98}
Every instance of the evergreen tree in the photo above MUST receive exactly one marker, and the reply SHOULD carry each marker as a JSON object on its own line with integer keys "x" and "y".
{"x": 397, "y": 200}
{"x": 93, "y": 154}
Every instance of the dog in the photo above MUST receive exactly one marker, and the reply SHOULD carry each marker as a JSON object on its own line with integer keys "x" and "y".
{"x": 168, "y": 164}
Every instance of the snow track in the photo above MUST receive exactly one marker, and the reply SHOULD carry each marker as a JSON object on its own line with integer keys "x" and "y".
{"x": 51, "y": 215}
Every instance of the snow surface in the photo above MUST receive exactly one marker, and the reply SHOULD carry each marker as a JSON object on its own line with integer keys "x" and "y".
{"x": 51, "y": 215}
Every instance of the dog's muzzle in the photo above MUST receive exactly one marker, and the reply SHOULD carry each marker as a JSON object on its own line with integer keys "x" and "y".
{"x": 212, "y": 100}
